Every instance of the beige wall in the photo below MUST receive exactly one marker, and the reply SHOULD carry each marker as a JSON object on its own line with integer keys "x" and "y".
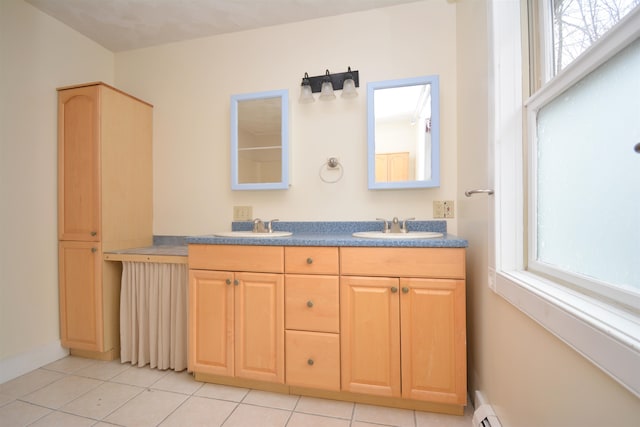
{"x": 190, "y": 84}
{"x": 37, "y": 54}
{"x": 531, "y": 378}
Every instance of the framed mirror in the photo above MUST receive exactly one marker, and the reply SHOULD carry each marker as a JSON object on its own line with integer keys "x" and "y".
{"x": 403, "y": 129}
{"x": 260, "y": 141}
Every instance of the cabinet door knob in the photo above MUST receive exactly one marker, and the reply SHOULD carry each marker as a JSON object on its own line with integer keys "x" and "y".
{"x": 94, "y": 250}
{"x": 236, "y": 282}
{"x": 394, "y": 289}
{"x": 310, "y": 362}
{"x": 309, "y": 303}
{"x": 94, "y": 233}
{"x": 228, "y": 281}
{"x": 405, "y": 290}
{"x": 309, "y": 260}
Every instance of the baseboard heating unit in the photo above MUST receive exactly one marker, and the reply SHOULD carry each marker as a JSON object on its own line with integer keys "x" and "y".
{"x": 484, "y": 416}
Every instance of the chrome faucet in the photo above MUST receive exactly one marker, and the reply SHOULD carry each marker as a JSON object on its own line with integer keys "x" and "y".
{"x": 260, "y": 226}
{"x": 395, "y": 225}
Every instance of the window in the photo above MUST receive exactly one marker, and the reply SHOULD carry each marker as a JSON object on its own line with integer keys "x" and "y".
{"x": 584, "y": 182}
{"x": 568, "y": 194}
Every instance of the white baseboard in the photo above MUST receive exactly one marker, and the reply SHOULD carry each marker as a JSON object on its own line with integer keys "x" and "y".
{"x": 20, "y": 364}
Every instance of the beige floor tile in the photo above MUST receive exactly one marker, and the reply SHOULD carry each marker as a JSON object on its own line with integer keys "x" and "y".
{"x": 249, "y": 415}
{"x": 149, "y": 408}
{"x": 28, "y": 383}
{"x": 103, "y": 370}
{"x": 60, "y": 419}
{"x": 330, "y": 408}
{"x": 177, "y": 382}
{"x": 5, "y": 399}
{"x": 222, "y": 392}
{"x": 69, "y": 364}
{"x": 429, "y": 419}
{"x": 141, "y": 377}
{"x": 62, "y": 391}
{"x": 361, "y": 424}
{"x": 308, "y": 420}
{"x": 200, "y": 411}
{"x": 17, "y": 414}
{"x": 271, "y": 400}
{"x": 101, "y": 401}
{"x": 383, "y": 415}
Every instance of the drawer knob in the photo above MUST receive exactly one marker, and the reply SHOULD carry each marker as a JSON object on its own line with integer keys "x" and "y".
{"x": 236, "y": 282}
{"x": 310, "y": 362}
{"x": 309, "y": 260}
{"x": 309, "y": 303}
{"x": 228, "y": 281}
{"x": 394, "y": 289}
{"x": 94, "y": 233}
{"x": 94, "y": 250}
{"x": 405, "y": 290}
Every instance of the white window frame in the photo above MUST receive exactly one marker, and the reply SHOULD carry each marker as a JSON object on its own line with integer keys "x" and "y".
{"x": 603, "y": 333}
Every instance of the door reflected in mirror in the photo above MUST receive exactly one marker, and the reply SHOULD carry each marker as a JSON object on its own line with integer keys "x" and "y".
{"x": 403, "y": 133}
{"x": 259, "y": 141}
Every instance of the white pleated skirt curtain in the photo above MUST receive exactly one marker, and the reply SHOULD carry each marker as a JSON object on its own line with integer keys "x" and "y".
{"x": 153, "y": 315}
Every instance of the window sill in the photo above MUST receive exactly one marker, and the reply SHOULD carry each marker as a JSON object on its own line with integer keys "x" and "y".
{"x": 607, "y": 336}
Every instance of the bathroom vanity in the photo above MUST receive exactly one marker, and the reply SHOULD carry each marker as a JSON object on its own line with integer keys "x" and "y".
{"x": 326, "y": 314}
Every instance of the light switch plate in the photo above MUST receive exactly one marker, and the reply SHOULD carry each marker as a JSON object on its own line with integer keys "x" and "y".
{"x": 438, "y": 209}
{"x": 242, "y": 213}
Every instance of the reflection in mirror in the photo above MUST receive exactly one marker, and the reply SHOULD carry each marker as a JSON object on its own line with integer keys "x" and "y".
{"x": 404, "y": 133}
{"x": 259, "y": 141}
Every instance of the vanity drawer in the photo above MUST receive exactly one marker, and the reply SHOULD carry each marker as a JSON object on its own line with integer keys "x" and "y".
{"x": 259, "y": 259}
{"x": 442, "y": 263}
{"x": 311, "y": 260}
{"x": 313, "y": 359}
{"x": 312, "y": 303}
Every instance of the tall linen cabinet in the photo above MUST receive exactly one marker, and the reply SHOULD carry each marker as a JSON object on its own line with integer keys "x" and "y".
{"x": 104, "y": 203}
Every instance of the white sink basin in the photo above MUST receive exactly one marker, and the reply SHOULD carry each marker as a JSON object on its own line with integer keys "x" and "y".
{"x": 409, "y": 235}
{"x": 251, "y": 234}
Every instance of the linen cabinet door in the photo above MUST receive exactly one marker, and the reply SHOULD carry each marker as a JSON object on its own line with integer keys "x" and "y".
{"x": 211, "y": 312}
{"x": 80, "y": 270}
{"x": 78, "y": 164}
{"x": 433, "y": 340}
{"x": 370, "y": 335}
{"x": 259, "y": 328}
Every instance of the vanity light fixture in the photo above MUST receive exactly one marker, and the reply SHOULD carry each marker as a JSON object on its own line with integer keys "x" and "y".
{"x": 306, "y": 96}
{"x": 327, "y": 83}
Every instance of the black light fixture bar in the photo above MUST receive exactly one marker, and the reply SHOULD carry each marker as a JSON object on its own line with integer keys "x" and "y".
{"x": 337, "y": 80}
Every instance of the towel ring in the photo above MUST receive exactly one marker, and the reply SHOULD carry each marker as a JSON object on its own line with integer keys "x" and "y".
{"x": 332, "y": 164}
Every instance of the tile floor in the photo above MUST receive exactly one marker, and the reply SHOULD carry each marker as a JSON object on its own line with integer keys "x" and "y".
{"x": 80, "y": 392}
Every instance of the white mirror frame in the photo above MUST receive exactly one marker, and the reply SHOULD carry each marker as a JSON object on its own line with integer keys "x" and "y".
{"x": 434, "y": 181}
{"x": 284, "y": 98}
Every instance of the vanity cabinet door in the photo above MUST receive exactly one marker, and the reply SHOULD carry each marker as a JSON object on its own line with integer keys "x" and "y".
{"x": 370, "y": 335}
{"x": 432, "y": 319}
{"x": 211, "y": 313}
{"x": 259, "y": 326}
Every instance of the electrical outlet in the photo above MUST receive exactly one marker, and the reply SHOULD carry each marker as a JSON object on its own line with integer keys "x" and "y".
{"x": 242, "y": 213}
{"x": 438, "y": 209}
{"x": 449, "y": 211}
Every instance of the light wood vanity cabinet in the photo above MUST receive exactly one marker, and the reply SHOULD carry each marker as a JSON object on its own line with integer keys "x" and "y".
{"x": 403, "y": 323}
{"x": 236, "y": 311}
{"x": 312, "y": 317}
{"x": 376, "y": 325}
{"x": 104, "y": 203}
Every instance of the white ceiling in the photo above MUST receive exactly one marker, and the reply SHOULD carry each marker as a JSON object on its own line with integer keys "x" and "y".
{"x": 120, "y": 25}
